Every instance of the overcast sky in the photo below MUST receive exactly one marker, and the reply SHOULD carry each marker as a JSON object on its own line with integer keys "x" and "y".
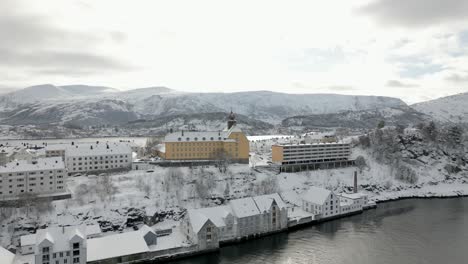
{"x": 412, "y": 49}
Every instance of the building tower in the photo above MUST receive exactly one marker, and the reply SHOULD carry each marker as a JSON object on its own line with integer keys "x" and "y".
{"x": 231, "y": 120}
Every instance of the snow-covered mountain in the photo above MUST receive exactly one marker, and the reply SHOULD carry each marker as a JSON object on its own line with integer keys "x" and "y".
{"x": 359, "y": 119}
{"x": 49, "y": 92}
{"x": 80, "y": 113}
{"x": 446, "y": 109}
{"x": 262, "y": 105}
{"x": 87, "y": 104}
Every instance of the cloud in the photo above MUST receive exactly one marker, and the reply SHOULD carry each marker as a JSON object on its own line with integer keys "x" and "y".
{"x": 416, "y": 13}
{"x": 399, "y": 84}
{"x": 29, "y": 41}
{"x": 457, "y": 78}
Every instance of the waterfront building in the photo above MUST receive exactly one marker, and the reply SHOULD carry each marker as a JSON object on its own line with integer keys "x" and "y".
{"x": 240, "y": 218}
{"x": 274, "y": 212}
{"x": 59, "y": 245}
{"x": 230, "y": 143}
{"x": 321, "y": 202}
{"x": 42, "y": 176}
{"x": 292, "y": 154}
{"x": 201, "y": 230}
{"x": 248, "y": 216}
{"x": 352, "y": 202}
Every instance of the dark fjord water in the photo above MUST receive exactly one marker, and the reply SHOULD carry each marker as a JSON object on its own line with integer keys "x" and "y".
{"x": 409, "y": 231}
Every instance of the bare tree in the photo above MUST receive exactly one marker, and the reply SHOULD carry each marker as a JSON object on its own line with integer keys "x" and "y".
{"x": 106, "y": 187}
{"x": 360, "y": 163}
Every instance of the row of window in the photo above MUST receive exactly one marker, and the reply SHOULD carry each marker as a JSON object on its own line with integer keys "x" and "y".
{"x": 101, "y": 157}
{"x": 100, "y": 162}
{"x": 203, "y": 138}
{"x": 27, "y": 173}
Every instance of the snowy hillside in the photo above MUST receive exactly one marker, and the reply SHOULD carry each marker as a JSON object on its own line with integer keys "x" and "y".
{"x": 206, "y": 121}
{"x": 263, "y": 105}
{"x": 359, "y": 119}
{"x": 82, "y": 113}
{"x": 446, "y": 109}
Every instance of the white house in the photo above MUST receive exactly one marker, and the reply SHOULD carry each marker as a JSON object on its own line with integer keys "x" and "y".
{"x": 352, "y": 202}
{"x": 58, "y": 245}
{"x": 28, "y": 242}
{"x": 40, "y": 176}
{"x": 274, "y": 212}
{"x": 6, "y": 257}
{"x": 200, "y": 230}
{"x": 322, "y": 203}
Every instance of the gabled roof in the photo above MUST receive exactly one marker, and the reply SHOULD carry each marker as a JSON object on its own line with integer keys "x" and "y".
{"x": 244, "y": 207}
{"x": 316, "y": 195}
{"x": 197, "y": 219}
{"x": 146, "y": 229}
{"x": 60, "y": 236}
{"x": 264, "y": 202}
{"x": 32, "y": 238}
{"x": 216, "y": 214}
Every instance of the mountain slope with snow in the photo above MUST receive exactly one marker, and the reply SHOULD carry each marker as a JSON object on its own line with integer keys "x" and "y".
{"x": 359, "y": 119}
{"x": 59, "y": 104}
{"x": 446, "y": 109}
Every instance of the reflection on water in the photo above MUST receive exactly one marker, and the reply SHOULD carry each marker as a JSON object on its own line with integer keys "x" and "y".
{"x": 408, "y": 231}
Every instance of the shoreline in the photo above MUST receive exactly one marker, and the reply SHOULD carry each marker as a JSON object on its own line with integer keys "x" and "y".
{"x": 306, "y": 225}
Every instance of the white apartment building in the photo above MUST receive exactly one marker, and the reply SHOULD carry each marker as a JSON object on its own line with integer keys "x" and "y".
{"x": 60, "y": 245}
{"x": 94, "y": 158}
{"x": 322, "y": 203}
{"x": 200, "y": 230}
{"x": 352, "y": 202}
{"x": 285, "y": 154}
{"x": 39, "y": 176}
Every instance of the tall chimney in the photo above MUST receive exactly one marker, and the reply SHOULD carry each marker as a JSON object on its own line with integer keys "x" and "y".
{"x": 355, "y": 181}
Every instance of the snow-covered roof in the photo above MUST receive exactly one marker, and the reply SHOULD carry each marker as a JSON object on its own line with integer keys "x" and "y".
{"x": 192, "y": 136}
{"x": 146, "y": 229}
{"x": 10, "y": 150}
{"x": 109, "y": 148}
{"x": 264, "y": 201}
{"x": 112, "y": 246}
{"x": 316, "y": 195}
{"x": 6, "y": 257}
{"x": 216, "y": 214}
{"x": 291, "y": 197}
{"x": 89, "y": 230}
{"x": 60, "y": 236}
{"x": 197, "y": 219}
{"x": 244, "y": 207}
{"x": 353, "y": 196}
{"x": 37, "y": 165}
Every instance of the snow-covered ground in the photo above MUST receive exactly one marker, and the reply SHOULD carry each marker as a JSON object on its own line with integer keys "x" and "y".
{"x": 160, "y": 197}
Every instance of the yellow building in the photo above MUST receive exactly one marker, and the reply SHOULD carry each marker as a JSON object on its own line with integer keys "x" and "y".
{"x": 231, "y": 144}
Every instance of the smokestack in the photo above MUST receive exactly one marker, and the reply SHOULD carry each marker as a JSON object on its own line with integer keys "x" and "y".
{"x": 355, "y": 181}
